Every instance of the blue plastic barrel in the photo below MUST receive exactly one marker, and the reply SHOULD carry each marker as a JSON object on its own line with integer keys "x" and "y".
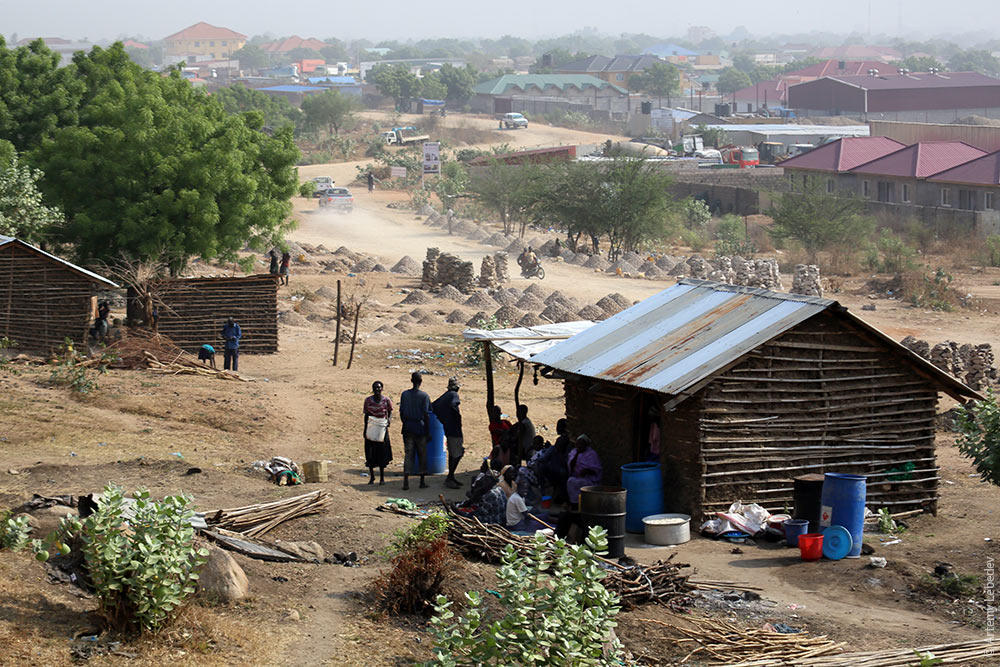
{"x": 644, "y": 486}
{"x": 843, "y": 504}
{"x": 795, "y": 528}
{"x": 437, "y": 455}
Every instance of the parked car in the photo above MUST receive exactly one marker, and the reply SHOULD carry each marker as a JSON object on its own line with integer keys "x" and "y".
{"x": 338, "y": 199}
{"x": 514, "y": 120}
{"x": 322, "y": 184}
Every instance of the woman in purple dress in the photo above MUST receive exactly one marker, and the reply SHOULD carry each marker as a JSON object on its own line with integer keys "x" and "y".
{"x": 378, "y": 454}
{"x": 584, "y": 468}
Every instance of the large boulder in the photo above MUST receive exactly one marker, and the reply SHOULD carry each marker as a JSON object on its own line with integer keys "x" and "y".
{"x": 221, "y": 577}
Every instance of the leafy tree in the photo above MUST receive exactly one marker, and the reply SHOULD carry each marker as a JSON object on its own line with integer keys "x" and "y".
{"x": 920, "y": 64}
{"x": 432, "y": 88}
{"x": 978, "y": 425}
{"x": 660, "y": 79}
{"x": 453, "y": 183}
{"x": 22, "y": 212}
{"x": 505, "y": 189}
{"x": 817, "y": 220}
{"x": 731, "y": 80}
{"x": 251, "y": 57}
{"x": 302, "y": 53}
{"x": 277, "y": 111}
{"x": 331, "y": 109}
{"x": 459, "y": 81}
{"x": 395, "y": 81}
{"x": 155, "y": 169}
{"x": 975, "y": 61}
{"x": 801, "y": 63}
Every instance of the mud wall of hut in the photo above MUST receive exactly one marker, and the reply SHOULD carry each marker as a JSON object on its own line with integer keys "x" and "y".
{"x": 822, "y": 397}
{"x": 41, "y": 303}
{"x": 607, "y": 415}
{"x": 193, "y": 311}
{"x": 680, "y": 458}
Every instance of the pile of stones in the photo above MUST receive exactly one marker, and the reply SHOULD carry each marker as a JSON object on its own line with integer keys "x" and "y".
{"x": 445, "y": 269}
{"x": 975, "y": 365}
{"x": 806, "y": 280}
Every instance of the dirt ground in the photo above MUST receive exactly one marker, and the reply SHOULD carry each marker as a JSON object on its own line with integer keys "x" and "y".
{"x": 146, "y": 430}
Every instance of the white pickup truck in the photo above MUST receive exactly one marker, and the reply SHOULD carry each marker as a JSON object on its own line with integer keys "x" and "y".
{"x": 513, "y": 120}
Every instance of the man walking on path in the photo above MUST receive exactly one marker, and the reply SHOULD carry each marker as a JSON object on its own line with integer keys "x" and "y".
{"x": 447, "y": 412}
{"x": 414, "y": 412}
{"x": 371, "y": 181}
{"x": 231, "y": 334}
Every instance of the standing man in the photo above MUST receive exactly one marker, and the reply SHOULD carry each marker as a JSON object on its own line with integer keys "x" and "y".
{"x": 371, "y": 181}
{"x": 286, "y": 260}
{"x": 447, "y": 412}
{"x": 273, "y": 268}
{"x": 231, "y": 333}
{"x": 525, "y": 433}
{"x": 414, "y": 412}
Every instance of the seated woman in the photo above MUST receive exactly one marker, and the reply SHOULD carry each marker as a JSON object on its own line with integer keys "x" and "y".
{"x": 584, "y": 468}
{"x": 517, "y": 509}
{"x": 487, "y": 501}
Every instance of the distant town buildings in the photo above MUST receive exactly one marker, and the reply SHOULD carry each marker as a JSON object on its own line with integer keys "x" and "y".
{"x": 544, "y": 93}
{"x": 202, "y": 41}
{"x": 64, "y": 47}
{"x": 618, "y": 70}
{"x": 289, "y": 44}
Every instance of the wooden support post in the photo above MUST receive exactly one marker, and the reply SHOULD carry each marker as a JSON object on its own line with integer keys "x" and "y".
{"x": 336, "y": 343}
{"x": 517, "y": 387}
{"x": 354, "y": 337}
{"x": 488, "y": 360}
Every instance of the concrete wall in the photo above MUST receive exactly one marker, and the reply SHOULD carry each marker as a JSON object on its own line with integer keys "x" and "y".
{"x": 740, "y": 191}
{"x": 983, "y": 137}
{"x": 946, "y": 222}
{"x": 551, "y": 99}
{"x": 927, "y": 116}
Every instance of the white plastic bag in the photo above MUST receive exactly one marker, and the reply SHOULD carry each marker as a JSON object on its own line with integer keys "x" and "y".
{"x": 375, "y": 431}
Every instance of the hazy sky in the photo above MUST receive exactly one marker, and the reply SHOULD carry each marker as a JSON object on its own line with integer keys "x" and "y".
{"x": 396, "y": 19}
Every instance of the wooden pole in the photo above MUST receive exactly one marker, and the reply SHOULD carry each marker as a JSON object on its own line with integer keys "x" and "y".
{"x": 517, "y": 387}
{"x": 336, "y": 343}
{"x": 488, "y": 360}
{"x": 354, "y": 337}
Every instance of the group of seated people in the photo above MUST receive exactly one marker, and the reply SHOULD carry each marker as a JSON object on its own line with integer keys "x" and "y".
{"x": 508, "y": 490}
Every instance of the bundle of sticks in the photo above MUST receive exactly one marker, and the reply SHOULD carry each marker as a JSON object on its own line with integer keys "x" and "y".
{"x": 188, "y": 367}
{"x": 948, "y": 654}
{"x": 720, "y": 642}
{"x": 661, "y": 582}
{"x": 255, "y": 520}
{"x": 137, "y": 345}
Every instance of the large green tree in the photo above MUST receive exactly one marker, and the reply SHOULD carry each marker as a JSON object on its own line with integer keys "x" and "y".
{"x": 660, "y": 80}
{"x": 23, "y": 214}
{"x": 144, "y": 165}
{"x": 731, "y": 80}
{"x": 459, "y": 81}
{"x": 277, "y": 111}
{"x": 975, "y": 61}
{"x": 330, "y": 110}
{"x": 395, "y": 81}
{"x": 920, "y": 64}
{"x": 505, "y": 189}
{"x": 251, "y": 57}
{"x": 819, "y": 221}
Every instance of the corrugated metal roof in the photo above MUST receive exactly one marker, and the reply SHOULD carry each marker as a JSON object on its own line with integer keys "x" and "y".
{"x": 909, "y": 81}
{"x": 981, "y": 171}
{"x": 685, "y": 334}
{"x": 843, "y": 154}
{"x": 4, "y": 240}
{"x": 526, "y": 342}
{"x": 501, "y": 85}
{"x": 921, "y": 160}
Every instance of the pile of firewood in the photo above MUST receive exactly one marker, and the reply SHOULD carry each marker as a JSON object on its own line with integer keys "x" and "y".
{"x": 661, "y": 582}
{"x": 255, "y": 520}
{"x": 187, "y": 367}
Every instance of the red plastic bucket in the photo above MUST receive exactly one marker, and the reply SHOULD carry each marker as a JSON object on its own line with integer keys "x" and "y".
{"x": 811, "y": 546}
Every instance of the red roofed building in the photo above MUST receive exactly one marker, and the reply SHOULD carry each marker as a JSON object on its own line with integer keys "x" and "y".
{"x": 894, "y": 178}
{"x": 928, "y": 98}
{"x": 202, "y": 41}
{"x": 824, "y": 163}
{"x": 774, "y": 92}
{"x": 132, "y": 44}
{"x": 294, "y": 42}
{"x": 974, "y": 185}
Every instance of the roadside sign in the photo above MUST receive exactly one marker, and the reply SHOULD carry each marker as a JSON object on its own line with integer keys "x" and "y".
{"x": 397, "y": 172}
{"x": 432, "y": 157}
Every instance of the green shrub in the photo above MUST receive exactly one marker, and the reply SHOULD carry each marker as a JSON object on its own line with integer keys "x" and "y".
{"x": 6, "y": 344}
{"x": 991, "y": 250}
{"x": 141, "y": 558}
{"x": 474, "y": 349}
{"x": 307, "y": 189}
{"x": 932, "y": 291}
{"x": 556, "y": 611}
{"x": 14, "y": 532}
{"x": 420, "y": 559}
{"x": 696, "y": 214}
{"x": 732, "y": 238}
{"x": 978, "y": 426}
{"x": 696, "y": 239}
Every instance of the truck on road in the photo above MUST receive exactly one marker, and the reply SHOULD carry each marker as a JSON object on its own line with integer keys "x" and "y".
{"x": 404, "y": 135}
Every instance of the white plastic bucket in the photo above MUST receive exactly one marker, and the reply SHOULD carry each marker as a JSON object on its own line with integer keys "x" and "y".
{"x": 667, "y": 529}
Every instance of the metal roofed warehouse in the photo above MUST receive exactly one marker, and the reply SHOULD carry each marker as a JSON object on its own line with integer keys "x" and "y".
{"x": 748, "y": 389}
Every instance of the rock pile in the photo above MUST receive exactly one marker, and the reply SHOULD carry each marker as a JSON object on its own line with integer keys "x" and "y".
{"x": 477, "y": 319}
{"x": 429, "y": 278}
{"x": 487, "y": 273}
{"x": 481, "y": 300}
{"x": 500, "y": 268}
{"x": 406, "y": 266}
{"x": 507, "y": 315}
{"x": 530, "y": 320}
{"x": 972, "y": 364}
{"x": 416, "y": 297}
{"x": 445, "y": 269}
{"x": 457, "y": 317}
{"x": 450, "y": 293}
{"x": 592, "y": 312}
{"x": 806, "y": 280}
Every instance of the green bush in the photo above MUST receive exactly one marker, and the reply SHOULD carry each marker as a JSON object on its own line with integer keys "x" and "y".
{"x": 141, "y": 558}
{"x": 307, "y": 189}
{"x": 14, "y": 532}
{"x": 556, "y": 611}
{"x": 474, "y": 349}
{"x": 696, "y": 214}
{"x": 731, "y": 234}
{"x": 991, "y": 250}
{"x": 696, "y": 239}
{"x": 978, "y": 426}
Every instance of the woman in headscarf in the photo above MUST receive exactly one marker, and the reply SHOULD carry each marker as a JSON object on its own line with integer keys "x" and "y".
{"x": 378, "y": 453}
{"x": 487, "y": 501}
{"x": 584, "y": 468}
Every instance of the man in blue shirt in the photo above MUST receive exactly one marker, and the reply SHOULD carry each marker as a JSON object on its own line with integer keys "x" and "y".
{"x": 447, "y": 412}
{"x": 414, "y": 413}
{"x": 231, "y": 334}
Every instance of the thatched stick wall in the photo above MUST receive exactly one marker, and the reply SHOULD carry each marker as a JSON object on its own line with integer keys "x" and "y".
{"x": 820, "y": 398}
{"x": 195, "y": 309}
{"x": 41, "y": 302}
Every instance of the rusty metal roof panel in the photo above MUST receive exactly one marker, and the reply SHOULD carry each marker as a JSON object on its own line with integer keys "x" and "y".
{"x": 680, "y": 336}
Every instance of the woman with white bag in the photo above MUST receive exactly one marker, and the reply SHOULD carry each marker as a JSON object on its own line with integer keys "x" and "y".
{"x": 378, "y": 451}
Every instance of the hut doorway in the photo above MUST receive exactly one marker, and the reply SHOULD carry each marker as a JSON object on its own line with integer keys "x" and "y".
{"x": 647, "y": 429}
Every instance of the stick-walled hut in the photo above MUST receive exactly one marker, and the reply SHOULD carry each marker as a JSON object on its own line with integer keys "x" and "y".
{"x": 743, "y": 389}
{"x": 44, "y": 299}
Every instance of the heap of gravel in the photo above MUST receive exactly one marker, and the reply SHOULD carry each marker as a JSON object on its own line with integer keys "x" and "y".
{"x": 567, "y": 302}
{"x": 364, "y": 265}
{"x": 407, "y": 266}
{"x": 592, "y": 312}
{"x": 326, "y": 292}
{"x": 308, "y": 307}
{"x": 648, "y": 267}
{"x": 476, "y": 234}
{"x": 386, "y": 330}
{"x": 505, "y": 298}
{"x": 457, "y": 317}
{"x": 497, "y": 239}
{"x": 515, "y": 247}
{"x": 451, "y": 293}
{"x": 530, "y": 320}
{"x": 507, "y": 315}
{"x": 623, "y": 266}
{"x": 347, "y": 252}
{"x": 407, "y": 318}
{"x": 609, "y": 306}
{"x": 633, "y": 257}
{"x": 596, "y": 262}
{"x": 530, "y": 303}
{"x": 579, "y": 259}
{"x": 417, "y": 313}
{"x": 429, "y": 320}
{"x": 513, "y": 290}
{"x": 291, "y": 318}
{"x": 480, "y": 300}
{"x": 536, "y": 290}
{"x": 556, "y": 313}
{"x": 379, "y": 268}
{"x": 555, "y": 296}
{"x": 477, "y": 319}
{"x": 653, "y": 272}
{"x": 416, "y": 297}
{"x": 620, "y": 300}
{"x": 665, "y": 262}
{"x": 403, "y": 327}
